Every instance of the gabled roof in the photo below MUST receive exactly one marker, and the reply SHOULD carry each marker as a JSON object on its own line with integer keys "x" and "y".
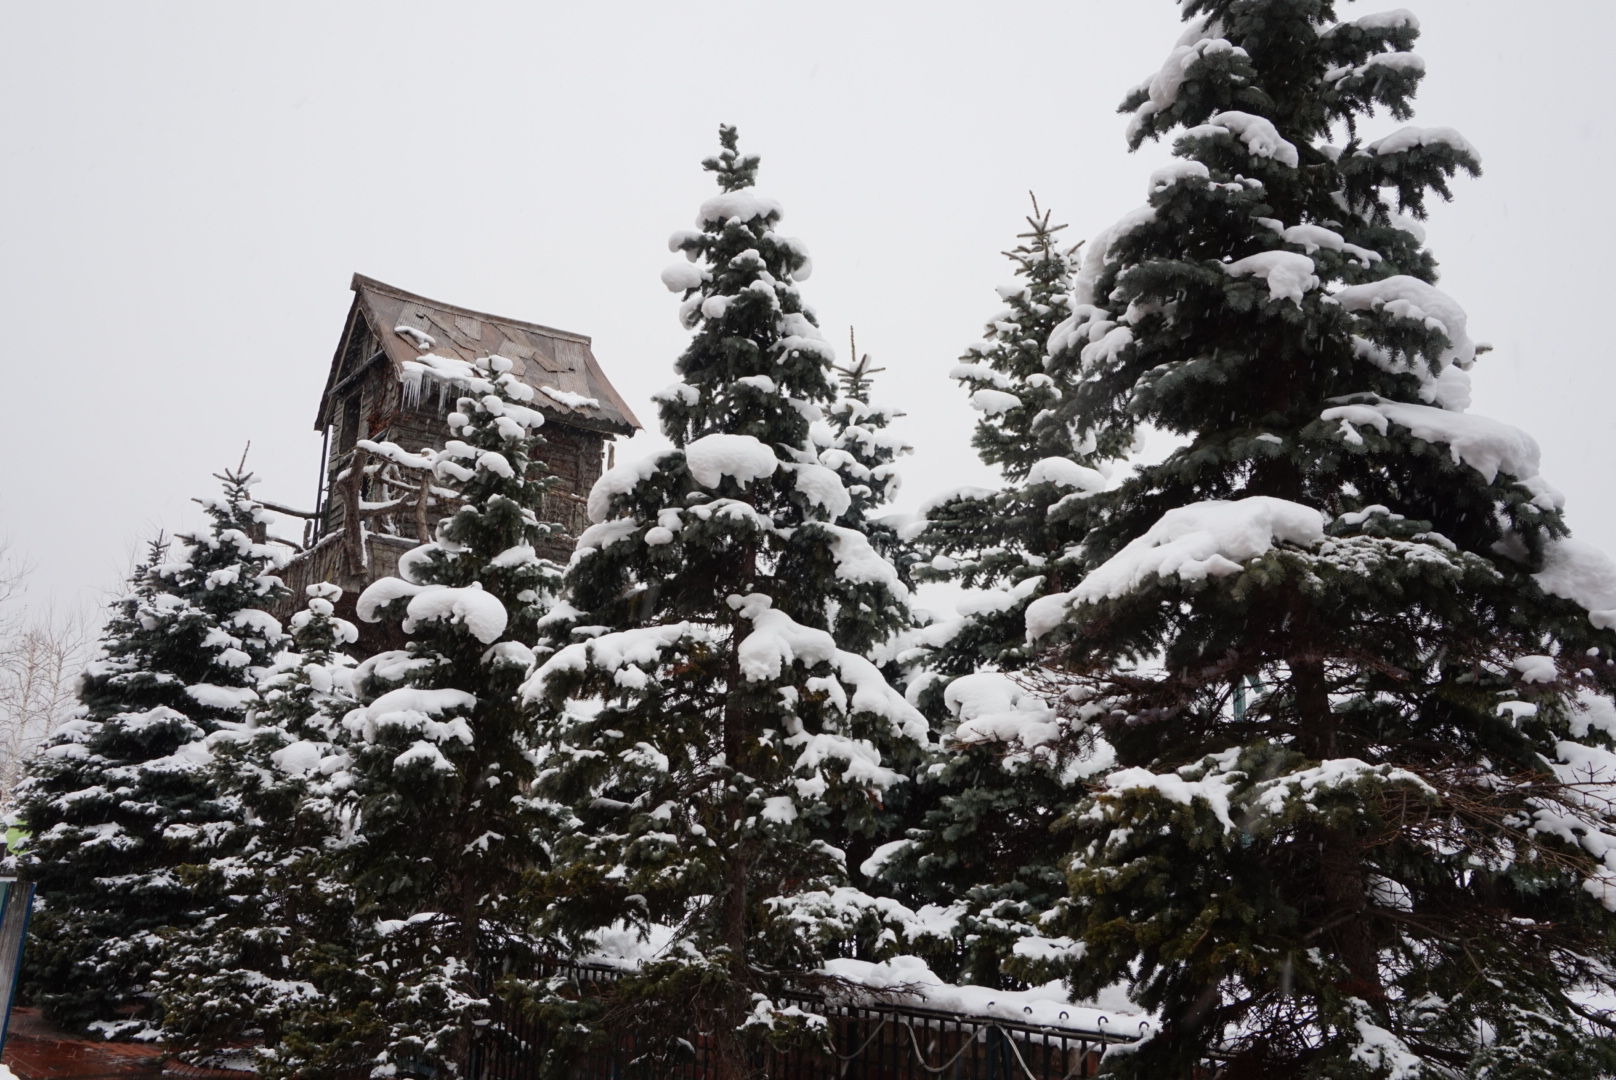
{"x": 546, "y": 359}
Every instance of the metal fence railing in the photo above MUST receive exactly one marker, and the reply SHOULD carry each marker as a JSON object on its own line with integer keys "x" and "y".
{"x": 867, "y": 1041}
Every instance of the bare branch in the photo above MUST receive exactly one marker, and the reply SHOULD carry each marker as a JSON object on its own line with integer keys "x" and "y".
{"x": 40, "y": 662}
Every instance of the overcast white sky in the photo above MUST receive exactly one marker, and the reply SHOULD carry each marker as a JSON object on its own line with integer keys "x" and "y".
{"x": 186, "y": 188}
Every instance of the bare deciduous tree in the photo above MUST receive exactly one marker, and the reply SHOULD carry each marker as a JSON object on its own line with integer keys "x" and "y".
{"x": 41, "y": 654}
{"x": 14, "y": 572}
{"x": 39, "y": 669}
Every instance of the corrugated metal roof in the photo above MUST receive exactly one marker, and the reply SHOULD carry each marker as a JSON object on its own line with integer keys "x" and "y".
{"x": 545, "y": 358}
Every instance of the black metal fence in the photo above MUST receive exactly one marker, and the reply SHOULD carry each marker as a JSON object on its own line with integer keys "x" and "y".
{"x": 869, "y": 1041}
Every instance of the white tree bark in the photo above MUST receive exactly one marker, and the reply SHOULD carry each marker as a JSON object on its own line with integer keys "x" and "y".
{"x": 41, "y": 655}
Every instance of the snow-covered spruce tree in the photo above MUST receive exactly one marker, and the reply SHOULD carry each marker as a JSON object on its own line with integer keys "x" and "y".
{"x": 862, "y": 450}
{"x": 982, "y": 864}
{"x": 712, "y": 738}
{"x": 443, "y": 825}
{"x": 864, "y": 454}
{"x": 233, "y": 979}
{"x": 982, "y": 860}
{"x": 1004, "y": 372}
{"x": 122, "y": 797}
{"x": 1356, "y": 674}
{"x": 1003, "y": 540}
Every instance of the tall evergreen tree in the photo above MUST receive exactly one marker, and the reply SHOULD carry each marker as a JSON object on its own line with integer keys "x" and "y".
{"x": 1357, "y": 676}
{"x": 710, "y": 734}
{"x": 982, "y": 860}
{"x": 443, "y": 825}
{"x": 235, "y": 977}
{"x": 122, "y": 797}
{"x": 864, "y": 453}
{"x": 1004, "y": 540}
{"x": 1004, "y": 372}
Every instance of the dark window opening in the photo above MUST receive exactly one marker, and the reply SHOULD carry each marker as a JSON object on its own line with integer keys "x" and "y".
{"x": 350, "y": 423}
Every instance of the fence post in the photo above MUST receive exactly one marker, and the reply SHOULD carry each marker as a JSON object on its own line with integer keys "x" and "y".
{"x": 998, "y": 1052}
{"x": 16, "y": 904}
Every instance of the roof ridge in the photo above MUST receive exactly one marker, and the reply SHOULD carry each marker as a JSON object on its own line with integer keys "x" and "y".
{"x": 361, "y": 281}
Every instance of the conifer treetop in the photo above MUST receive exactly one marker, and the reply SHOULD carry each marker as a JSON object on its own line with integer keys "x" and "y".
{"x": 1005, "y": 371}
{"x": 1004, "y": 539}
{"x": 856, "y": 376}
{"x": 734, "y": 170}
{"x": 757, "y": 363}
{"x": 1038, "y": 247}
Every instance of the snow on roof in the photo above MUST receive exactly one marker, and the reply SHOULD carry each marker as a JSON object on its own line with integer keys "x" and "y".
{"x": 557, "y": 363}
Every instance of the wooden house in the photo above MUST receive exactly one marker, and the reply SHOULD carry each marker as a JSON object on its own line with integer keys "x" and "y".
{"x": 367, "y": 396}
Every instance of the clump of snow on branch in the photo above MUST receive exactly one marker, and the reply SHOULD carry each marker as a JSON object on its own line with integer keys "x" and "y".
{"x": 1066, "y": 473}
{"x": 1578, "y": 571}
{"x": 621, "y": 480}
{"x": 682, "y": 276}
{"x": 777, "y": 640}
{"x": 990, "y": 707}
{"x": 738, "y": 206}
{"x": 479, "y": 611}
{"x": 1410, "y": 137}
{"x": 1258, "y": 134}
{"x": 1380, "y": 1050}
{"x": 822, "y": 487}
{"x": 713, "y": 457}
{"x": 1289, "y": 275}
{"x": 414, "y": 709}
{"x": 1203, "y": 37}
{"x": 1194, "y": 542}
{"x": 1409, "y": 298}
{"x": 1486, "y": 445}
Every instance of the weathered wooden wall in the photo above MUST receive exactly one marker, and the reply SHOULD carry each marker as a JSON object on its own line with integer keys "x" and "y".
{"x": 572, "y": 454}
{"x": 327, "y": 562}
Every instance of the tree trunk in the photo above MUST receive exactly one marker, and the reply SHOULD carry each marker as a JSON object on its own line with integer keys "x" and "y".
{"x": 729, "y": 1052}
{"x": 1345, "y": 890}
{"x": 464, "y": 893}
{"x": 1343, "y": 883}
{"x": 1318, "y": 737}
